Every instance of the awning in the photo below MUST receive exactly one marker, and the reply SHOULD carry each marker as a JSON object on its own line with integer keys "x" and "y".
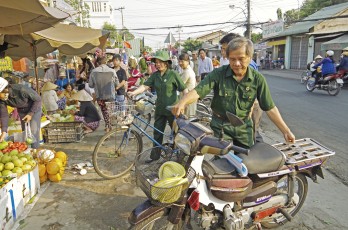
{"x": 27, "y": 16}
{"x": 276, "y": 43}
{"x": 329, "y": 36}
{"x": 68, "y": 39}
{"x": 336, "y": 44}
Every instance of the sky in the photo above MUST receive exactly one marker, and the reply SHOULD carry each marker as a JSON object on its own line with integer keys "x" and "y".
{"x": 139, "y": 15}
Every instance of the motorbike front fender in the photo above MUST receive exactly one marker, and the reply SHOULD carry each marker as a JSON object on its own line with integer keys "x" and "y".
{"x": 143, "y": 211}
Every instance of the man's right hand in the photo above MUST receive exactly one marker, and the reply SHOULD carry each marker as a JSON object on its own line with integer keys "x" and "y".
{"x": 178, "y": 109}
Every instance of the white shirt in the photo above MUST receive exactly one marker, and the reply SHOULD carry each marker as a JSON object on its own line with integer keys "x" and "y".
{"x": 224, "y": 61}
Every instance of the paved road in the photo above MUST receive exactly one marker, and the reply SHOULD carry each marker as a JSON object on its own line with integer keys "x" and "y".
{"x": 316, "y": 115}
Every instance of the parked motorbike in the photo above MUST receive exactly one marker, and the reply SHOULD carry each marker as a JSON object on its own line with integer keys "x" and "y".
{"x": 332, "y": 83}
{"x": 234, "y": 188}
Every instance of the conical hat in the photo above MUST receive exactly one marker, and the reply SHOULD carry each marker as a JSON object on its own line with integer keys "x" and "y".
{"x": 82, "y": 95}
{"x": 48, "y": 86}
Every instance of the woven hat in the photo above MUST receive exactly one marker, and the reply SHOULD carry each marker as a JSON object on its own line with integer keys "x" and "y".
{"x": 48, "y": 86}
{"x": 82, "y": 95}
{"x": 345, "y": 49}
{"x": 3, "y": 84}
{"x": 162, "y": 55}
{"x": 318, "y": 57}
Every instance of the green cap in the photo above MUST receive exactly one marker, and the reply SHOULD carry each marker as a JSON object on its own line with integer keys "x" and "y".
{"x": 162, "y": 55}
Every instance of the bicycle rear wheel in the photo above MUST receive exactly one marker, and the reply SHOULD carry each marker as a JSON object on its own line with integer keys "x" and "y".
{"x": 115, "y": 153}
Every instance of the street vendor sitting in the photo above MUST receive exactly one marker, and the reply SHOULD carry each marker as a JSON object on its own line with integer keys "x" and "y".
{"x": 49, "y": 97}
{"x": 65, "y": 96}
{"x": 88, "y": 113}
{"x": 28, "y": 103}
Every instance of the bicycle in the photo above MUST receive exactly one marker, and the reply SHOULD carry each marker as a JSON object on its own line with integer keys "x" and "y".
{"x": 305, "y": 75}
{"x": 116, "y": 151}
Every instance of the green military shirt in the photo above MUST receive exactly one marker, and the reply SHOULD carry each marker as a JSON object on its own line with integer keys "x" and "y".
{"x": 237, "y": 98}
{"x": 166, "y": 87}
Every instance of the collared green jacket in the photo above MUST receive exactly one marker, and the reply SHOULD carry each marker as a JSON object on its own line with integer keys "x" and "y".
{"x": 167, "y": 87}
{"x": 237, "y": 98}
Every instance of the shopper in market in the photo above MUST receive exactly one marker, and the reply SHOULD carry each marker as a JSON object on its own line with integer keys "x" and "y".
{"x": 28, "y": 103}
{"x": 166, "y": 82}
{"x": 49, "y": 97}
{"x": 189, "y": 78}
{"x": 104, "y": 81}
{"x": 88, "y": 113}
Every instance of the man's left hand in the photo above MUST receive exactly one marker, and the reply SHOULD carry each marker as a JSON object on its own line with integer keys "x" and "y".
{"x": 289, "y": 137}
{"x": 27, "y": 118}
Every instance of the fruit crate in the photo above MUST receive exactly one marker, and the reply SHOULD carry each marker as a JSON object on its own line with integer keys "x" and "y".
{"x": 60, "y": 132}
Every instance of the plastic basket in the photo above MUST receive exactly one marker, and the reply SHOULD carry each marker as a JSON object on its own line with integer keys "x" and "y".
{"x": 144, "y": 107}
{"x": 168, "y": 190}
{"x": 121, "y": 113}
{"x": 60, "y": 132}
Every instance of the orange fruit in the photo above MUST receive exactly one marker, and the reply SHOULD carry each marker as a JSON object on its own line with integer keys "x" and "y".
{"x": 52, "y": 167}
{"x": 42, "y": 170}
{"x": 55, "y": 178}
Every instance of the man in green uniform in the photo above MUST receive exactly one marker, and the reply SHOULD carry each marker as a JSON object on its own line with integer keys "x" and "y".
{"x": 167, "y": 83}
{"x": 236, "y": 86}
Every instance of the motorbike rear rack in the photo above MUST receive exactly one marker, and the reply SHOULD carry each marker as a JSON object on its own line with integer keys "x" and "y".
{"x": 303, "y": 150}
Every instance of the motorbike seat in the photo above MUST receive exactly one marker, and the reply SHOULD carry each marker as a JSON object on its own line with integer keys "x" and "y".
{"x": 263, "y": 158}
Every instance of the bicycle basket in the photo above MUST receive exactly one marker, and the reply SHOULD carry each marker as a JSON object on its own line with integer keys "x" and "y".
{"x": 121, "y": 113}
{"x": 143, "y": 107}
{"x": 164, "y": 181}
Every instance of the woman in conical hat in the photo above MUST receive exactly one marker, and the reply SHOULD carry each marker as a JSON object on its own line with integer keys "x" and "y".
{"x": 49, "y": 97}
{"x": 88, "y": 113}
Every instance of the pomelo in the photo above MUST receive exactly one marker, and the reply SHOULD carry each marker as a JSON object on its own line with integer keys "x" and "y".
{"x": 9, "y": 166}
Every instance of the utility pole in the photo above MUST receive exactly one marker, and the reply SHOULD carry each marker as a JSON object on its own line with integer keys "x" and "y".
{"x": 80, "y": 6}
{"x": 121, "y": 10}
{"x": 248, "y": 32}
{"x": 179, "y": 30}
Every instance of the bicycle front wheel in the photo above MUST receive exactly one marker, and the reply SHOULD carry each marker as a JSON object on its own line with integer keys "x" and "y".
{"x": 115, "y": 153}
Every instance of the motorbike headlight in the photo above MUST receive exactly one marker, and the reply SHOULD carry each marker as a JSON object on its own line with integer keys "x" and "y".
{"x": 183, "y": 143}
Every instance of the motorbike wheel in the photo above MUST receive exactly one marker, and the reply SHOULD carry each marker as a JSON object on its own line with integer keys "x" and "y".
{"x": 157, "y": 222}
{"x": 310, "y": 86}
{"x": 304, "y": 77}
{"x": 333, "y": 88}
{"x": 300, "y": 194}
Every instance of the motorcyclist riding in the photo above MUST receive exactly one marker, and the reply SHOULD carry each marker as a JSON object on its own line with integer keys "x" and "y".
{"x": 327, "y": 66}
{"x": 316, "y": 60}
{"x": 343, "y": 66}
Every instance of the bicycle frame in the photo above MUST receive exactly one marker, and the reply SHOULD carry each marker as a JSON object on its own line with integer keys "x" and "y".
{"x": 148, "y": 135}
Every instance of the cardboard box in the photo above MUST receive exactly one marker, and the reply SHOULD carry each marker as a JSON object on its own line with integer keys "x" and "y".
{"x": 29, "y": 184}
{"x": 11, "y": 204}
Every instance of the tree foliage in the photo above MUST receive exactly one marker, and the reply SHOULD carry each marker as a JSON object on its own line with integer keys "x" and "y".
{"x": 308, "y": 7}
{"x": 190, "y": 44}
{"x": 85, "y": 12}
{"x": 114, "y": 36}
{"x": 255, "y": 38}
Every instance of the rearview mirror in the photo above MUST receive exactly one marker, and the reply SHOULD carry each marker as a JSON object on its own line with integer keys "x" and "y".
{"x": 234, "y": 120}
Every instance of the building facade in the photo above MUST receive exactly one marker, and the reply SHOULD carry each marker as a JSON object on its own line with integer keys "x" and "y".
{"x": 100, "y": 11}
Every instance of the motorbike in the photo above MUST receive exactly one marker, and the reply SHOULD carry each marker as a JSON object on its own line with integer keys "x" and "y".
{"x": 332, "y": 83}
{"x": 225, "y": 186}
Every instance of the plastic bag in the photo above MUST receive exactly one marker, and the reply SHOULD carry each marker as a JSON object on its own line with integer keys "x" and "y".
{"x": 29, "y": 137}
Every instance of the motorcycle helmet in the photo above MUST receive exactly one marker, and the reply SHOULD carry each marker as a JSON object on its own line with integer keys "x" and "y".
{"x": 3, "y": 84}
{"x": 330, "y": 53}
